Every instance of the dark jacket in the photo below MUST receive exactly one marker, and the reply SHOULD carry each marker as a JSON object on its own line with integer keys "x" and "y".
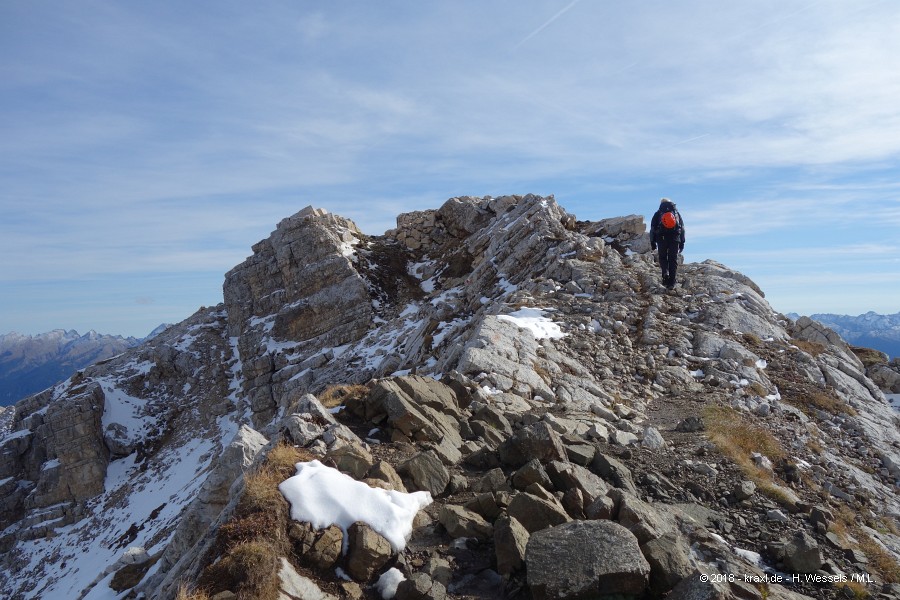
{"x": 656, "y": 229}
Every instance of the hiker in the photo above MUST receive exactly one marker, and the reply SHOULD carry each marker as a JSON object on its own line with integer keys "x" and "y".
{"x": 667, "y": 232}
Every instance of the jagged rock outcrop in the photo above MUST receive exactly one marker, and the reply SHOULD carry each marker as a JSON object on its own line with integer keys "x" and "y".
{"x": 524, "y": 368}
{"x": 299, "y": 290}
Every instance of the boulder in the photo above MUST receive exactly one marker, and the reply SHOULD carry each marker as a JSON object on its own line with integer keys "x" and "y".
{"x": 669, "y": 560}
{"x": 419, "y": 586}
{"x": 566, "y": 476}
{"x": 639, "y": 517}
{"x": 613, "y": 471}
{"x": 510, "y": 542}
{"x": 426, "y": 473}
{"x": 538, "y": 441}
{"x": 802, "y": 554}
{"x": 609, "y": 562}
{"x": 367, "y": 551}
{"x": 536, "y": 513}
{"x": 463, "y": 523}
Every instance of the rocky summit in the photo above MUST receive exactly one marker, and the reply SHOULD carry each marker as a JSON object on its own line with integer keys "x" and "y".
{"x": 570, "y": 428}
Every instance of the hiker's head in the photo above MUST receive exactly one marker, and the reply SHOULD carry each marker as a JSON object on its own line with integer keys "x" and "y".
{"x": 664, "y": 200}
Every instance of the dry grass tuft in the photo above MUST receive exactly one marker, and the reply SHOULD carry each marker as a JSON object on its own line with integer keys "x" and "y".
{"x": 252, "y": 540}
{"x": 250, "y": 570}
{"x": 819, "y": 400}
{"x": 854, "y": 590}
{"x": 751, "y": 339}
{"x": 811, "y": 348}
{"x": 261, "y": 492}
{"x": 335, "y": 395}
{"x": 738, "y": 438}
{"x": 186, "y": 593}
{"x": 882, "y": 562}
{"x": 869, "y": 356}
{"x": 880, "y": 559}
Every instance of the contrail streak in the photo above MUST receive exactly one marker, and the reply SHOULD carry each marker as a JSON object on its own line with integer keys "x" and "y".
{"x": 689, "y": 140}
{"x": 547, "y": 24}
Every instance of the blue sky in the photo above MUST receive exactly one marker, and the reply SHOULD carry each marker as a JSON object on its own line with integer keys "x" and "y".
{"x": 145, "y": 146}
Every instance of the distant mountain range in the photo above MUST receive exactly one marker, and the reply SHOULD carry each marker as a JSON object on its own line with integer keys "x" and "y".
{"x": 32, "y": 363}
{"x": 871, "y": 330}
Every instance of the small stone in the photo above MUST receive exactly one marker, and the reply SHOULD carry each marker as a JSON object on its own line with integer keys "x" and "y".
{"x": 777, "y": 516}
{"x": 743, "y": 490}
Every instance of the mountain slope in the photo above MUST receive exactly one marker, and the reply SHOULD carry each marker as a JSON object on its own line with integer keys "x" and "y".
{"x": 31, "y": 363}
{"x": 871, "y": 330}
{"x": 525, "y": 369}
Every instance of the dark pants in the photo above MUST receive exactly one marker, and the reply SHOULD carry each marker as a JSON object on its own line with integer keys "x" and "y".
{"x": 668, "y": 260}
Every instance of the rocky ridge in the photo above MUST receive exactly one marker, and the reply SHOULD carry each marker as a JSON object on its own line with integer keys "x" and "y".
{"x": 524, "y": 368}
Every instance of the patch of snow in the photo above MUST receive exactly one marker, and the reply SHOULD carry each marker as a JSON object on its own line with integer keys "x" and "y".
{"x": 388, "y": 582}
{"x": 411, "y": 309}
{"x": 506, "y": 286}
{"x": 16, "y": 434}
{"x": 698, "y": 373}
{"x": 324, "y": 496}
{"x": 268, "y": 322}
{"x": 534, "y": 320}
{"x": 444, "y": 329}
{"x": 50, "y": 464}
{"x": 90, "y": 547}
{"x": 761, "y": 364}
{"x": 347, "y": 248}
{"x": 124, "y": 409}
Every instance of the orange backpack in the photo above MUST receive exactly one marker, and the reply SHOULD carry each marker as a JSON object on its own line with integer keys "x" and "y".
{"x": 669, "y": 220}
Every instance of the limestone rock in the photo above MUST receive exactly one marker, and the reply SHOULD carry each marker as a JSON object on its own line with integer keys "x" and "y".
{"x": 536, "y": 513}
{"x": 609, "y": 562}
{"x": 510, "y": 542}
{"x": 367, "y": 551}
{"x": 327, "y": 548}
{"x": 669, "y": 560}
{"x": 802, "y": 554}
{"x": 419, "y": 586}
{"x": 426, "y": 473}
{"x": 460, "y": 522}
{"x": 538, "y": 441}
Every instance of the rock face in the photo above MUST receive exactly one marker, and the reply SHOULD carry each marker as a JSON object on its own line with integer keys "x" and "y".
{"x": 525, "y": 368}
{"x": 298, "y": 289}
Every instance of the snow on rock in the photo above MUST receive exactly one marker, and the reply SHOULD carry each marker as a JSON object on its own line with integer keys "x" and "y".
{"x": 388, "y": 582}
{"x": 536, "y": 321}
{"x": 324, "y": 496}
